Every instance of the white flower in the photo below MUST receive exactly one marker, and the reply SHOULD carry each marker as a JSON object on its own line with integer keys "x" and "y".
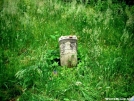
{"x": 78, "y": 83}
{"x": 132, "y": 98}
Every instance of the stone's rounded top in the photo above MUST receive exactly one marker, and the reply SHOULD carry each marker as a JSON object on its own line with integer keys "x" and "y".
{"x": 68, "y": 37}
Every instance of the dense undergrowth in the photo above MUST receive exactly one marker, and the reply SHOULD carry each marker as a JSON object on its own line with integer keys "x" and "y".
{"x": 29, "y": 52}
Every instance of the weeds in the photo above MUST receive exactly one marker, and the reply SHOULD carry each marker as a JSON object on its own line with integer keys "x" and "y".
{"x": 30, "y": 68}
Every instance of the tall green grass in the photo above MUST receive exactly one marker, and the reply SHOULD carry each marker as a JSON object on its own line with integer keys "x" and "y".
{"x": 29, "y": 51}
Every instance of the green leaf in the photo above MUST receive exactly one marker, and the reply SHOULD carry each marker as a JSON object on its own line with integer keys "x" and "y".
{"x": 66, "y": 99}
{"x": 53, "y": 37}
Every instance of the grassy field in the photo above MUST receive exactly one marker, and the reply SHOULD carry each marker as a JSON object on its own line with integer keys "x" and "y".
{"x": 29, "y": 51}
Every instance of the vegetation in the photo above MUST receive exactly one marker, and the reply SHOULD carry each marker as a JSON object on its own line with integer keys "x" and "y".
{"x": 29, "y": 51}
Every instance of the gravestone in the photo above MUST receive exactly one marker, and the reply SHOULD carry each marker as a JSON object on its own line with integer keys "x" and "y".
{"x": 68, "y": 50}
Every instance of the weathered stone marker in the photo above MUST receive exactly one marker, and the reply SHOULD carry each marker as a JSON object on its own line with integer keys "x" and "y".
{"x": 68, "y": 50}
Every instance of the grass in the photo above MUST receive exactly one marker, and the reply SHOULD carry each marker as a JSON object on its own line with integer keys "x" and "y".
{"x": 29, "y": 51}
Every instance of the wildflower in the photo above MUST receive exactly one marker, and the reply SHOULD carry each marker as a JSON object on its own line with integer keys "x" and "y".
{"x": 54, "y": 73}
{"x": 132, "y": 98}
{"x": 78, "y": 83}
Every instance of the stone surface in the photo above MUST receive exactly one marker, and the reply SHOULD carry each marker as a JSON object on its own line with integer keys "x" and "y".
{"x": 68, "y": 51}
